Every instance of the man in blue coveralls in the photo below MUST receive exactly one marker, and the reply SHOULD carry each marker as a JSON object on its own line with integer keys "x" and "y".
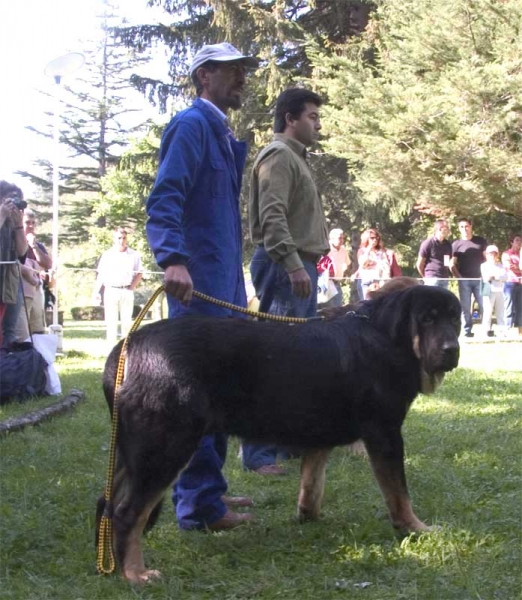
{"x": 194, "y": 230}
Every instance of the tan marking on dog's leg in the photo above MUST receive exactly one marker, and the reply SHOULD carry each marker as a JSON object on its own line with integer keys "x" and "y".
{"x": 416, "y": 346}
{"x": 133, "y": 568}
{"x": 392, "y": 484}
{"x": 313, "y": 466}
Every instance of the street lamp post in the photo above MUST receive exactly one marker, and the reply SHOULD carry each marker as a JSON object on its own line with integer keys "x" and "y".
{"x": 57, "y": 69}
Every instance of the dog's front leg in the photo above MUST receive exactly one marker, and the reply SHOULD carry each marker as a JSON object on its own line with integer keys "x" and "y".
{"x": 386, "y": 450}
{"x": 313, "y": 467}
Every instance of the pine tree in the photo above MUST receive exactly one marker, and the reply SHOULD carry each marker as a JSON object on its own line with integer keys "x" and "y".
{"x": 97, "y": 121}
{"x": 425, "y": 106}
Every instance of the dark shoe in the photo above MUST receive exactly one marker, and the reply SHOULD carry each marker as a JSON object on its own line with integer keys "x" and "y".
{"x": 270, "y": 470}
{"x": 491, "y": 334}
{"x": 230, "y": 520}
{"x": 238, "y": 501}
{"x": 469, "y": 334}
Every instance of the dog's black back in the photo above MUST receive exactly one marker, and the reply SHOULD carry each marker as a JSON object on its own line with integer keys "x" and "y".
{"x": 307, "y": 385}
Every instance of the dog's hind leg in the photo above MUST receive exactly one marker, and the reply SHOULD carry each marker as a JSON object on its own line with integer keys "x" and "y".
{"x": 128, "y": 539}
{"x": 386, "y": 451}
{"x": 153, "y": 467}
{"x": 311, "y": 490}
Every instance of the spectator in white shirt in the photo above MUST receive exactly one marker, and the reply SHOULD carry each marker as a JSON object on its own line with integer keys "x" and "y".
{"x": 494, "y": 275}
{"x": 119, "y": 273}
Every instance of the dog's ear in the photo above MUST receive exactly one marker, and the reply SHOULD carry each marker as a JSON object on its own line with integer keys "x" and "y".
{"x": 393, "y": 313}
{"x": 418, "y": 308}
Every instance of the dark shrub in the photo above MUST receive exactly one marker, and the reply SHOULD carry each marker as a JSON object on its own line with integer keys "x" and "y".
{"x": 87, "y": 313}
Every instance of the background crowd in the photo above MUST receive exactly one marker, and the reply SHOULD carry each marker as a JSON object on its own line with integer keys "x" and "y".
{"x": 486, "y": 277}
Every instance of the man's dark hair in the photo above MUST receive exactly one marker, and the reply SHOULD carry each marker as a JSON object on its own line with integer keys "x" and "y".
{"x": 292, "y": 101}
{"x": 466, "y": 219}
{"x": 210, "y": 65}
{"x": 8, "y": 190}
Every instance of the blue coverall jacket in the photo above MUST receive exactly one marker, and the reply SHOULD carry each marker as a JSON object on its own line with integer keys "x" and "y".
{"x": 194, "y": 219}
{"x": 193, "y": 210}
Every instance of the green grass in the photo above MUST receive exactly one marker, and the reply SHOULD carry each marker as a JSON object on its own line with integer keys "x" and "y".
{"x": 464, "y": 470}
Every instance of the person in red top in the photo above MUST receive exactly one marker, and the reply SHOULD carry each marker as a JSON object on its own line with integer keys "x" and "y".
{"x": 337, "y": 262}
{"x": 511, "y": 259}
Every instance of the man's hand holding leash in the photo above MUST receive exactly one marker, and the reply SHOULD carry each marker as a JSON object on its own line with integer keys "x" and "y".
{"x": 178, "y": 283}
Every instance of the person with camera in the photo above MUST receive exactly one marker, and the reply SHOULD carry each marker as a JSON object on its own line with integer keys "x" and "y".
{"x": 13, "y": 247}
{"x": 32, "y": 318}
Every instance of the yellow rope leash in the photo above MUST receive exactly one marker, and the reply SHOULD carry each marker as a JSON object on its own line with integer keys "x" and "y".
{"x": 105, "y": 560}
{"x": 252, "y": 313}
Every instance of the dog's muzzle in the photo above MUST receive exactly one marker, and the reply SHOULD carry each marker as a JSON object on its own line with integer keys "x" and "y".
{"x": 450, "y": 356}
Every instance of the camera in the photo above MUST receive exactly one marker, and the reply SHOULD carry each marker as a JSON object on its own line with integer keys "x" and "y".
{"x": 19, "y": 203}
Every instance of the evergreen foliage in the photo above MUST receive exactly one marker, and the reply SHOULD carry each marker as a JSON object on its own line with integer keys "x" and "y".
{"x": 425, "y": 105}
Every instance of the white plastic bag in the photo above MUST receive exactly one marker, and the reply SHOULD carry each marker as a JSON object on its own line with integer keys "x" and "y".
{"x": 326, "y": 289}
{"x": 46, "y": 346}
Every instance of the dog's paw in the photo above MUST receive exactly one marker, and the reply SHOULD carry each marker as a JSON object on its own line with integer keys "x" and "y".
{"x": 412, "y": 528}
{"x": 141, "y": 577}
{"x": 305, "y": 514}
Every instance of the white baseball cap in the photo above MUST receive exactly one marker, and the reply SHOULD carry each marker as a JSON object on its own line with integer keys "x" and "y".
{"x": 223, "y": 52}
{"x": 491, "y": 249}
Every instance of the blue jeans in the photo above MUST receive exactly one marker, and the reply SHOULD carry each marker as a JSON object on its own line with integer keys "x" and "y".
{"x": 274, "y": 290}
{"x": 467, "y": 289}
{"x": 197, "y": 493}
{"x": 513, "y": 304}
{"x": 360, "y": 291}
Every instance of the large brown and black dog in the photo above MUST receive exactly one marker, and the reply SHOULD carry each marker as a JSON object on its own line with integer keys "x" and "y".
{"x": 314, "y": 386}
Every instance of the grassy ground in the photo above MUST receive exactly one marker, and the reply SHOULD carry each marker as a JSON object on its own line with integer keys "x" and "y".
{"x": 464, "y": 469}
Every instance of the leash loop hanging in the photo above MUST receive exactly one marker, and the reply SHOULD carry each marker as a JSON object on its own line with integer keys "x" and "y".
{"x": 105, "y": 560}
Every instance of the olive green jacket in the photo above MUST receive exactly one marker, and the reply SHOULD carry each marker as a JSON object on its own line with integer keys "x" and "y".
{"x": 285, "y": 212}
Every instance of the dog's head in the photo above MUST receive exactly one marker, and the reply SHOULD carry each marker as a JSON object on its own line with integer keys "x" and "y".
{"x": 427, "y": 320}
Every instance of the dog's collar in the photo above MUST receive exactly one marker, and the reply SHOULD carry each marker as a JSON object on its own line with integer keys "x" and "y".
{"x": 352, "y": 313}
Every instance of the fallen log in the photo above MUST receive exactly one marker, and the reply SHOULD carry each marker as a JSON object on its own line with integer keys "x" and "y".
{"x": 43, "y": 414}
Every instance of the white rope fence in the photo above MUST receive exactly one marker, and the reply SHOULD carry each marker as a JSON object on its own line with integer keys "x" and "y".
{"x": 341, "y": 279}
